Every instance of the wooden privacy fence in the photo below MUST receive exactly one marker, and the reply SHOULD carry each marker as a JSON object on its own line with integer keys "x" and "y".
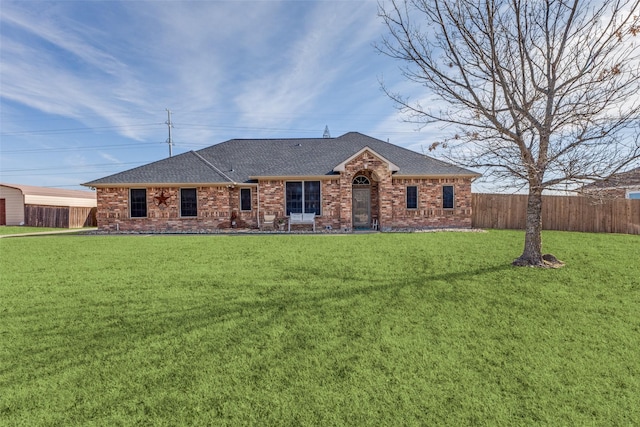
{"x": 566, "y": 213}
{"x": 59, "y": 216}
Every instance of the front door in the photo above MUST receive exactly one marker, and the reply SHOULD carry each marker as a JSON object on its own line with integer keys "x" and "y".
{"x": 361, "y": 207}
{"x": 3, "y": 212}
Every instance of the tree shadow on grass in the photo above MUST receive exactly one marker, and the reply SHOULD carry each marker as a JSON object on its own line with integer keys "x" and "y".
{"x": 287, "y": 295}
{"x": 114, "y": 334}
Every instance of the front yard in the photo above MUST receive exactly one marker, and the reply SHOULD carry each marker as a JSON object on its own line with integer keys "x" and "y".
{"x": 379, "y": 329}
{"x": 15, "y": 229}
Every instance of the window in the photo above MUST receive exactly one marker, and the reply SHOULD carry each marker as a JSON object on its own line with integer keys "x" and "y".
{"x": 312, "y": 197}
{"x": 138, "y": 202}
{"x": 361, "y": 180}
{"x": 412, "y": 197}
{"x": 188, "y": 202}
{"x": 633, "y": 195}
{"x": 447, "y": 196}
{"x": 303, "y": 197}
{"x": 245, "y": 199}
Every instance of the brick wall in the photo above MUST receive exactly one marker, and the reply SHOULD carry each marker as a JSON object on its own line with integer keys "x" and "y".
{"x": 272, "y": 200}
{"x": 379, "y": 174}
{"x": 216, "y": 204}
{"x": 331, "y": 209}
{"x": 430, "y": 212}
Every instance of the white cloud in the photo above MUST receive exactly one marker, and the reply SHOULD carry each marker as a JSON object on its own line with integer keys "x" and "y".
{"x": 53, "y": 68}
{"x": 333, "y": 33}
{"x": 109, "y": 157}
{"x": 225, "y": 68}
{"x": 68, "y": 36}
{"x": 190, "y": 57}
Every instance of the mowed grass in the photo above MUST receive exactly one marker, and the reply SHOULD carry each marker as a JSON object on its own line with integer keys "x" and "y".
{"x": 379, "y": 329}
{"x": 15, "y": 229}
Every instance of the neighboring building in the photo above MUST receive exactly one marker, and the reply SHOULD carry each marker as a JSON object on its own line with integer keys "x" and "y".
{"x": 349, "y": 182}
{"x": 46, "y": 207}
{"x": 625, "y": 185}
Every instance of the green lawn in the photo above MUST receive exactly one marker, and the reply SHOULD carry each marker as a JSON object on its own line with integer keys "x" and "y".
{"x": 11, "y": 229}
{"x": 377, "y": 329}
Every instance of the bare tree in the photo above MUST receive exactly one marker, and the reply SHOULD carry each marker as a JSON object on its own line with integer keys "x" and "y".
{"x": 541, "y": 93}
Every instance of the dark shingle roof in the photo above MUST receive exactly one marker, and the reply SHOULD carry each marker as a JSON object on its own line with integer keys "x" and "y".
{"x": 237, "y": 160}
{"x": 622, "y": 179}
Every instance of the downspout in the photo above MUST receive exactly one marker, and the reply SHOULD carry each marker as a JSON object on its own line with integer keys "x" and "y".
{"x": 258, "y": 209}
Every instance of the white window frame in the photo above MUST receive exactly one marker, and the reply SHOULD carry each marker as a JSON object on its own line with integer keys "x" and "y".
{"x": 303, "y": 182}
{"x": 635, "y": 192}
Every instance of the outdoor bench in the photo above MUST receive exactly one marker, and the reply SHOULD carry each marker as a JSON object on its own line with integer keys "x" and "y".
{"x": 302, "y": 218}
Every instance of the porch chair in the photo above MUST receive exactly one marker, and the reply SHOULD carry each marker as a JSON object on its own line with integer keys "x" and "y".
{"x": 267, "y": 223}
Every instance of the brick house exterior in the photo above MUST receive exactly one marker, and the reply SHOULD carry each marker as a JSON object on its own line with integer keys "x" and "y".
{"x": 349, "y": 182}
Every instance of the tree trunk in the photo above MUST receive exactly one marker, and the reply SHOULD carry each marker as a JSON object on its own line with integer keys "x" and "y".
{"x": 532, "y": 254}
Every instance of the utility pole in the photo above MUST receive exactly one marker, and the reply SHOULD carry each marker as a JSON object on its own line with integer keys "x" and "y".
{"x": 169, "y": 125}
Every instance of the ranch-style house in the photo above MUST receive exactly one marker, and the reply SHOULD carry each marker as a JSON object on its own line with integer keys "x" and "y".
{"x": 350, "y": 182}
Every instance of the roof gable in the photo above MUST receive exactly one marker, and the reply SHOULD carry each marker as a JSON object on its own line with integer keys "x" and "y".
{"x": 341, "y": 167}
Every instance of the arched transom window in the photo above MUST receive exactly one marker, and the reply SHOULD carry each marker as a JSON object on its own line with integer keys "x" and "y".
{"x": 361, "y": 180}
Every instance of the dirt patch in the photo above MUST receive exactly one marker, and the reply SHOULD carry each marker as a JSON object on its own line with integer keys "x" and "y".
{"x": 551, "y": 261}
{"x": 548, "y": 261}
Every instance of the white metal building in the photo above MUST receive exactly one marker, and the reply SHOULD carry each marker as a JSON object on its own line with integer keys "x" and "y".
{"x": 29, "y": 205}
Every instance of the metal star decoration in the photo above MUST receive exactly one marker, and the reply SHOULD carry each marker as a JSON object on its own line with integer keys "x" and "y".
{"x": 162, "y": 199}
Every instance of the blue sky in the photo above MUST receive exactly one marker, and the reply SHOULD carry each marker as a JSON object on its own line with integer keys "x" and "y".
{"x": 85, "y": 84}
